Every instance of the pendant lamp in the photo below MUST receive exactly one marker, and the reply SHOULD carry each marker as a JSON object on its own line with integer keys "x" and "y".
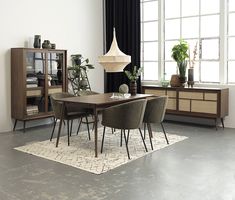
{"x": 114, "y": 60}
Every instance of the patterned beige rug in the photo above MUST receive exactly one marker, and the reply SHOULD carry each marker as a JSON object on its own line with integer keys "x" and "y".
{"x": 80, "y": 153}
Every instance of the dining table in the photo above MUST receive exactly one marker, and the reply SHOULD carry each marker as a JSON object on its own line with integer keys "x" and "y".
{"x": 96, "y": 103}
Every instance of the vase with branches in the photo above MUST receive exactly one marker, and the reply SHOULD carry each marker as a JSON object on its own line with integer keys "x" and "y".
{"x": 133, "y": 77}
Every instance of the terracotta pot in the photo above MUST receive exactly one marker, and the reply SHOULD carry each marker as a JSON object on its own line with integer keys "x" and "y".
{"x": 175, "y": 80}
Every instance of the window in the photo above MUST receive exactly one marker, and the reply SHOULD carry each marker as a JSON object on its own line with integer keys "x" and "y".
{"x": 149, "y": 39}
{"x": 231, "y": 42}
{"x": 194, "y": 21}
{"x": 164, "y": 22}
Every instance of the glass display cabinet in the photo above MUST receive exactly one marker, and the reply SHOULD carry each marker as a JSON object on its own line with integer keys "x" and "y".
{"x": 35, "y": 75}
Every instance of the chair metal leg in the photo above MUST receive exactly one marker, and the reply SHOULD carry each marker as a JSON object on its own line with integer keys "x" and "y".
{"x": 14, "y": 128}
{"x": 128, "y": 133}
{"x": 53, "y": 130}
{"x": 127, "y": 150}
{"x": 79, "y": 125}
{"x": 88, "y": 130}
{"x": 71, "y": 128}
{"x": 102, "y": 144}
{"x": 150, "y": 133}
{"x": 68, "y": 131}
{"x": 112, "y": 130}
{"x": 121, "y": 139}
{"x": 143, "y": 140}
{"x": 164, "y": 133}
{"x": 144, "y": 130}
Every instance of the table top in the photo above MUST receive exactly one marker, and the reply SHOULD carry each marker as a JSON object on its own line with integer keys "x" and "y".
{"x": 102, "y": 99}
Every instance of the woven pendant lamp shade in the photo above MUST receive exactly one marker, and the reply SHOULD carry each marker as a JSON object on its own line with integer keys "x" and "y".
{"x": 114, "y": 60}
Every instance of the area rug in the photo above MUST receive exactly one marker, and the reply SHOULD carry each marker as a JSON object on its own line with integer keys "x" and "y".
{"x": 80, "y": 153}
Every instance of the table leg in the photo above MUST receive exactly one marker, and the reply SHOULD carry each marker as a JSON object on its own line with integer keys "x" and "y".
{"x": 61, "y": 121}
{"x": 96, "y": 131}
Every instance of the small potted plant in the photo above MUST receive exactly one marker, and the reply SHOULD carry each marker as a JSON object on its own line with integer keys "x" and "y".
{"x": 180, "y": 54}
{"x": 133, "y": 77}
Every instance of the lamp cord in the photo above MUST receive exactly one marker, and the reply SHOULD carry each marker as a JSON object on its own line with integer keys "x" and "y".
{"x": 114, "y": 13}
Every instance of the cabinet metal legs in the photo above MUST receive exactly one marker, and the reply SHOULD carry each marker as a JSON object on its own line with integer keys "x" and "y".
{"x": 14, "y": 128}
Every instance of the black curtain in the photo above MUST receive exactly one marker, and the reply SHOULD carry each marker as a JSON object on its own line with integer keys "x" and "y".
{"x": 125, "y": 16}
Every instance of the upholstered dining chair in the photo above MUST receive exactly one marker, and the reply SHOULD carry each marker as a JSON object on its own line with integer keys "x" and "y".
{"x": 126, "y": 116}
{"x": 71, "y": 112}
{"x": 154, "y": 113}
{"x": 85, "y": 93}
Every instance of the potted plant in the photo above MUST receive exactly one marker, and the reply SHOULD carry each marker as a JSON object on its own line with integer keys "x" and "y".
{"x": 78, "y": 73}
{"x": 180, "y": 54}
{"x": 133, "y": 77}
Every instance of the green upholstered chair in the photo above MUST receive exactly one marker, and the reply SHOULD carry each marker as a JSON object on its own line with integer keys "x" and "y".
{"x": 154, "y": 113}
{"x": 85, "y": 93}
{"x": 124, "y": 116}
{"x": 71, "y": 112}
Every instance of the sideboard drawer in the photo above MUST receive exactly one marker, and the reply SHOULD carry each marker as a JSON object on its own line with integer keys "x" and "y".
{"x": 171, "y": 104}
{"x": 184, "y": 105}
{"x": 171, "y": 93}
{"x": 156, "y": 92}
{"x": 211, "y": 96}
{"x": 204, "y": 107}
{"x": 191, "y": 95}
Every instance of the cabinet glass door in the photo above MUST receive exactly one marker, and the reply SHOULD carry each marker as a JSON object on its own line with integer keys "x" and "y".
{"x": 35, "y": 82}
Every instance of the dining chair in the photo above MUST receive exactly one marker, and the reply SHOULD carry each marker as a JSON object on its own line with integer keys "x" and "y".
{"x": 71, "y": 112}
{"x": 155, "y": 113}
{"x": 126, "y": 116}
{"x": 85, "y": 93}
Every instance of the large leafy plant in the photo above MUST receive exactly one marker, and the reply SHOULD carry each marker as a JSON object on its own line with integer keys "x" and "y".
{"x": 79, "y": 65}
{"x": 78, "y": 73}
{"x": 180, "y": 55}
{"x": 134, "y": 75}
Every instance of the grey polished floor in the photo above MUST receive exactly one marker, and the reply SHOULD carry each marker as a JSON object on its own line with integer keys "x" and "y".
{"x": 201, "y": 167}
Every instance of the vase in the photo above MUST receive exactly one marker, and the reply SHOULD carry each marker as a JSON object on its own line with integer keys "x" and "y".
{"x": 46, "y": 44}
{"x": 37, "y": 41}
{"x": 133, "y": 88}
{"x": 183, "y": 80}
{"x": 190, "y": 77}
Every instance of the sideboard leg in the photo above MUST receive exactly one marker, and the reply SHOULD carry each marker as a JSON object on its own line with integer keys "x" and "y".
{"x": 24, "y": 126}
{"x": 222, "y": 121}
{"x": 14, "y": 128}
{"x": 216, "y": 124}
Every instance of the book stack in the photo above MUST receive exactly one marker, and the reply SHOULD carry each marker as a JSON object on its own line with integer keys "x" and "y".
{"x": 31, "y": 82}
{"x": 32, "y": 109}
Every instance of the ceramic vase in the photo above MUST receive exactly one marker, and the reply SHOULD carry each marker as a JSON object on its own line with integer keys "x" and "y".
{"x": 133, "y": 88}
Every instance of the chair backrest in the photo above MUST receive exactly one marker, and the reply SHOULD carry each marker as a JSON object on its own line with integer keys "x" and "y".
{"x": 125, "y": 116}
{"x": 56, "y": 104}
{"x": 155, "y": 109}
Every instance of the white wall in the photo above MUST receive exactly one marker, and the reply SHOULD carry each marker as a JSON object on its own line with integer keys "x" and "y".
{"x": 75, "y": 25}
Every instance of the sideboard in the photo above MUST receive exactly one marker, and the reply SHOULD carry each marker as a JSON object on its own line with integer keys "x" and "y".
{"x": 195, "y": 102}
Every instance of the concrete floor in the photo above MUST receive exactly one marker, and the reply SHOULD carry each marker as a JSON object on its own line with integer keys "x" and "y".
{"x": 200, "y": 167}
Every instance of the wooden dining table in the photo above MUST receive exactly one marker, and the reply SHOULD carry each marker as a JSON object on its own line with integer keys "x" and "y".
{"x": 96, "y": 102}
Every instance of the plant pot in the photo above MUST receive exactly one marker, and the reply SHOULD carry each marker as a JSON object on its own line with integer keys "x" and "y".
{"x": 175, "y": 80}
{"x": 133, "y": 88}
